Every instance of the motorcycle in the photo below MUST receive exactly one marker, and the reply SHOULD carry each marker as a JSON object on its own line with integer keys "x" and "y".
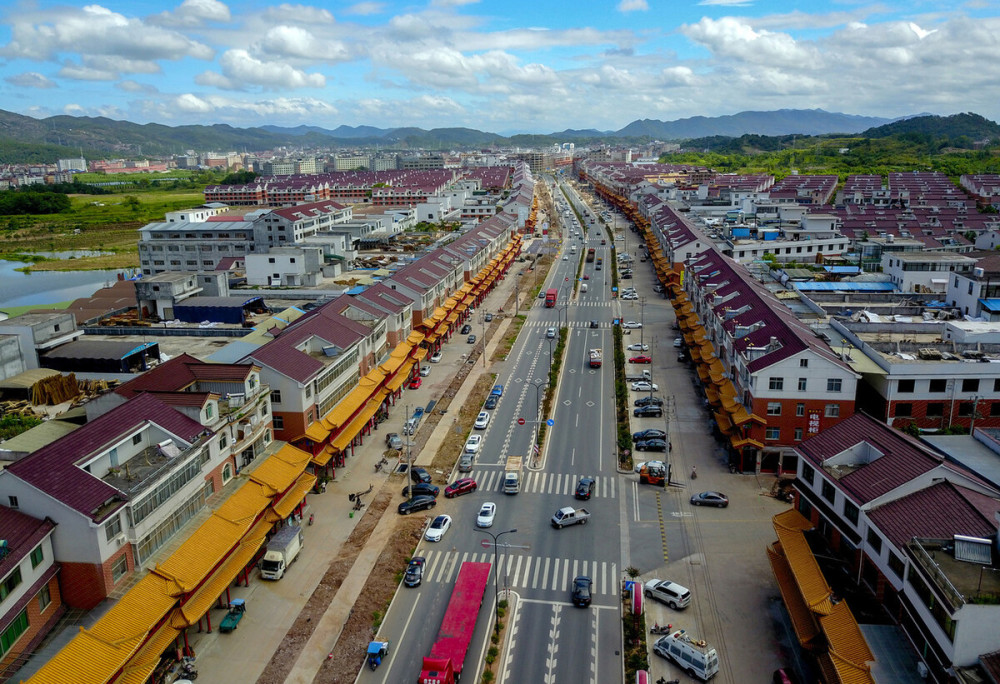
{"x": 660, "y": 629}
{"x": 188, "y": 669}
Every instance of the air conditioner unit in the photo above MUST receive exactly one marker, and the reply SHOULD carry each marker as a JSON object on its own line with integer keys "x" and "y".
{"x": 120, "y": 540}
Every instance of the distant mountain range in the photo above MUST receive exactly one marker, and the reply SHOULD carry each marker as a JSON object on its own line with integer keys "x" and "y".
{"x": 24, "y": 139}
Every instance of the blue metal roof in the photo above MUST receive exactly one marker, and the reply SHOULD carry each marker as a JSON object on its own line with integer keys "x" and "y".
{"x": 992, "y": 304}
{"x": 842, "y": 269}
{"x": 356, "y": 290}
{"x": 845, "y": 287}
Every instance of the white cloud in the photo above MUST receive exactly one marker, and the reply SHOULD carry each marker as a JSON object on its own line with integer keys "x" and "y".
{"x": 192, "y": 103}
{"x": 677, "y": 76}
{"x": 79, "y": 72}
{"x": 608, "y": 78}
{"x": 452, "y": 3}
{"x": 96, "y": 30}
{"x": 193, "y": 13}
{"x": 221, "y": 107}
{"x": 726, "y": 3}
{"x": 31, "y": 79}
{"x": 633, "y": 6}
{"x": 305, "y": 15}
{"x": 130, "y": 86}
{"x": 121, "y": 65}
{"x": 74, "y": 110}
{"x": 241, "y": 69}
{"x": 736, "y": 39}
{"x": 365, "y": 8}
{"x": 295, "y": 41}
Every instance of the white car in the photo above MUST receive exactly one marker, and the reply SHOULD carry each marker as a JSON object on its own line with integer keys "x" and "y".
{"x": 651, "y": 464}
{"x": 437, "y": 529}
{"x": 482, "y": 420}
{"x": 436, "y": 357}
{"x": 638, "y": 347}
{"x": 643, "y": 386}
{"x": 550, "y": 333}
{"x": 631, "y": 298}
{"x": 425, "y": 371}
{"x": 631, "y": 325}
{"x": 486, "y": 514}
{"x": 565, "y": 258}
{"x": 678, "y": 342}
{"x": 473, "y": 443}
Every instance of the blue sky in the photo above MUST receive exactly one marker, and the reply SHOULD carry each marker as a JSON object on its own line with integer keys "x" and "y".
{"x": 505, "y": 67}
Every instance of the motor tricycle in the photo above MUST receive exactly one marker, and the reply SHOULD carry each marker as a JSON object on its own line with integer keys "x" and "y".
{"x": 237, "y": 607}
{"x": 377, "y": 650}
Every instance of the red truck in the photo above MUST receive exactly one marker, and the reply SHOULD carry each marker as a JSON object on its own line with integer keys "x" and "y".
{"x": 444, "y": 664}
{"x": 550, "y": 297}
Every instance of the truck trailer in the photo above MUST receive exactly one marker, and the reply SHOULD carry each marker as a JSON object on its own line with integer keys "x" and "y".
{"x": 512, "y": 475}
{"x": 595, "y": 358}
{"x": 447, "y": 656}
{"x": 283, "y": 548}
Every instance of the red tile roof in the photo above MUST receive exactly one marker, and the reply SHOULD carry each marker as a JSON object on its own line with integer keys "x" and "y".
{"x": 54, "y": 469}
{"x": 22, "y": 534}
{"x": 937, "y": 512}
{"x": 181, "y": 372}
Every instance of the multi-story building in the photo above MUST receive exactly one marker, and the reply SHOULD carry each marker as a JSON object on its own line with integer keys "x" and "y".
{"x": 200, "y": 246}
{"x": 351, "y": 162}
{"x": 925, "y": 271}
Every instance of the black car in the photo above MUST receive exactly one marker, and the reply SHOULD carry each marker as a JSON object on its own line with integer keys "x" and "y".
{"x": 488, "y": 317}
{"x": 421, "y": 489}
{"x": 582, "y": 591}
{"x": 466, "y": 329}
{"x": 491, "y": 401}
{"x": 420, "y": 475}
{"x": 471, "y": 339}
{"x": 648, "y": 412}
{"x": 626, "y": 276}
{"x": 417, "y": 503}
{"x": 585, "y": 488}
{"x": 649, "y": 434}
{"x": 593, "y": 324}
{"x": 651, "y": 445}
{"x": 648, "y": 401}
{"x": 414, "y": 572}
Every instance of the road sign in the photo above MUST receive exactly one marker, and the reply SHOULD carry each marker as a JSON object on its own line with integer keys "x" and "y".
{"x": 520, "y": 421}
{"x": 486, "y": 543}
{"x": 550, "y": 422}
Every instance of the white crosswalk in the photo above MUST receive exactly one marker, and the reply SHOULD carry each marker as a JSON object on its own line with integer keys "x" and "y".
{"x": 519, "y": 571}
{"x": 545, "y": 483}
{"x": 583, "y": 303}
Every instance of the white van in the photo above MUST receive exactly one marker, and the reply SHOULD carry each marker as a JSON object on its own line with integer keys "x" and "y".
{"x": 583, "y": 287}
{"x": 693, "y": 656}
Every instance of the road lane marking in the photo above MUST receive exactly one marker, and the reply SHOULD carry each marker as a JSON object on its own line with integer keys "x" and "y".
{"x": 663, "y": 527}
{"x": 545, "y": 575}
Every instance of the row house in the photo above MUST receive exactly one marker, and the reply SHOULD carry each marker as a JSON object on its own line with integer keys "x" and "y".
{"x": 932, "y": 375}
{"x": 984, "y": 187}
{"x": 925, "y": 271}
{"x": 815, "y": 190}
{"x": 397, "y": 309}
{"x": 123, "y": 484}
{"x": 291, "y": 225}
{"x": 975, "y": 292}
{"x": 772, "y": 380}
{"x": 894, "y": 520}
{"x": 30, "y": 600}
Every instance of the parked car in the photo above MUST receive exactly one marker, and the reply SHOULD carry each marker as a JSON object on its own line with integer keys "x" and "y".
{"x": 463, "y": 485}
{"x": 652, "y": 464}
{"x": 415, "y": 383}
{"x": 641, "y": 358}
{"x": 652, "y": 433}
{"x": 651, "y": 445}
{"x": 717, "y": 499}
{"x": 486, "y": 514}
{"x": 678, "y": 342}
{"x": 630, "y": 297}
{"x": 466, "y": 329}
{"x": 482, "y": 420}
{"x": 420, "y": 475}
{"x": 648, "y": 401}
{"x": 581, "y": 591}
{"x": 491, "y": 402}
{"x": 631, "y": 325}
{"x": 394, "y": 441}
{"x": 471, "y": 339}
{"x": 637, "y": 347}
{"x": 643, "y": 386}
{"x": 541, "y": 295}
{"x": 665, "y": 591}
{"x": 438, "y": 528}
{"x": 488, "y": 317}
{"x": 414, "y": 572}
{"x": 425, "y": 371}
{"x": 436, "y": 357}
{"x": 585, "y": 488}
{"x": 626, "y": 276}
{"x": 421, "y": 489}
{"x": 648, "y": 412}
{"x": 416, "y": 503}
{"x": 497, "y": 390}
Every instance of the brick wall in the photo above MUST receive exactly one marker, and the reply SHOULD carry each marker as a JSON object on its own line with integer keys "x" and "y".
{"x": 40, "y": 622}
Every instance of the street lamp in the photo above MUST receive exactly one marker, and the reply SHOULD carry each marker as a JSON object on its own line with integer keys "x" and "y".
{"x": 550, "y": 340}
{"x": 538, "y": 385}
{"x": 517, "y": 291}
{"x": 496, "y": 571}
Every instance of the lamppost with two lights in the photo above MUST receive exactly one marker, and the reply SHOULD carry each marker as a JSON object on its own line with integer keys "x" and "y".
{"x": 496, "y": 571}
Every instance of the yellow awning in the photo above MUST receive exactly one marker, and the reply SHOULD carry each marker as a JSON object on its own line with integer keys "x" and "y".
{"x": 390, "y": 365}
{"x": 738, "y": 443}
{"x": 415, "y": 338}
{"x": 439, "y": 314}
{"x": 739, "y": 417}
{"x": 323, "y": 457}
{"x": 351, "y": 431}
{"x": 145, "y": 660}
{"x": 396, "y": 381}
{"x": 452, "y": 317}
{"x": 722, "y": 420}
{"x": 316, "y": 432}
{"x": 419, "y": 354}
{"x": 293, "y": 497}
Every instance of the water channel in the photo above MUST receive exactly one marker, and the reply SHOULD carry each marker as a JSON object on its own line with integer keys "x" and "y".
{"x": 49, "y": 287}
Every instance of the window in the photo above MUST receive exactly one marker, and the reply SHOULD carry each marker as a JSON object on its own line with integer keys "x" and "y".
{"x": 798, "y": 434}
{"x": 904, "y": 410}
{"x": 223, "y": 441}
{"x": 10, "y": 583}
{"x": 13, "y": 632}
{"x": 896, "y": 565}
{"x": 208, "y": 411}
{"x": 808, "y": 473}
{"x": 120, "y": 568}
{"x": 113, "y": 527}
{"x": 994, "y": 409}
{"x": 939, "y": 385}
{"x": 774, "y": 408}
{"x": 803, "y": 363}
{"x": 970, "y": 385}
{"x": 874, "y": 541}
{"x": 802, "y": 384}
{"x": 965, "y": 409}
{"x": 275, "y": 396}
{"x": 44, "y": 598}
{"x": 136, "y": 439}
{"x": 772, "y": 433}
{"x": 776, "y": 383}
{"x": 829, "y": 493}
{"x": 833, "y": 384}
{"x": 37, "y": 556}
{"x": 906, "y": 386}
{"x": 851, "y": 512}
{"x": 800, "y": 410}
{"x": 935, "y": 409}
{"x": 278, "y": 422}
{"x": 12, "y": 501}
{"x": 227, "y": 473}
{"x": 832, "y": 411}
{"x": 996, "y": 385}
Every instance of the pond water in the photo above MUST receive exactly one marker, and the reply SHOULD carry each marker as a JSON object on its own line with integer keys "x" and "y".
{"x": 48, "y": 287}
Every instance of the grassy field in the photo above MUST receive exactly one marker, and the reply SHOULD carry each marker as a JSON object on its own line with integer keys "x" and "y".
{"x": 106, "y": 223}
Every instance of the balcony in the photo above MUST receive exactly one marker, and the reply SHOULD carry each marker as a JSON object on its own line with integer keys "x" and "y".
{"x": 957, "y": 582}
